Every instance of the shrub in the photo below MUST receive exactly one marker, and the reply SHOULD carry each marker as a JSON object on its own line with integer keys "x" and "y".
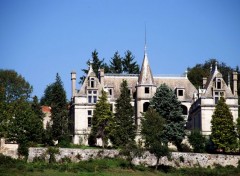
{"x": 52, "y": 151}
{"x": 197, "y": 140}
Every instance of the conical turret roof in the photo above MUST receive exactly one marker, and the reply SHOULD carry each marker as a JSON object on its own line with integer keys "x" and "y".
{"x": 145, "y": 76}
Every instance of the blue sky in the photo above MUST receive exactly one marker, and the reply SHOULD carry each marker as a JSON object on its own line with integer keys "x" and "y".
{"x": 41, "y": 38}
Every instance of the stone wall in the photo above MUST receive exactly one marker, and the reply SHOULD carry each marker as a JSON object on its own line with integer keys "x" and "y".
{"x": 177, "y": 159}
{"x": 8, "y": 149}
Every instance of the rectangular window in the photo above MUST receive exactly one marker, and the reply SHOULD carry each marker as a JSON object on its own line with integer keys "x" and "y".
{"x": 146, "y": 90}
{"x": 216, "y": 100}
{"x": 110, "y": 91}
{"x": 89, "y": 112}
{"x": 94, "y": 99}
{"x": 89, "y": 99}
{"x": 89, "y": 121}
{"x": 180, "y": 92}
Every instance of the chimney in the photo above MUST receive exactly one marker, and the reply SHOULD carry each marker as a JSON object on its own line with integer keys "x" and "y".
{"x": 204, "y": 81}
{"x": 235, "y": 83}
{"x": 101, "y": 76}
{"x": 73, "y": 79}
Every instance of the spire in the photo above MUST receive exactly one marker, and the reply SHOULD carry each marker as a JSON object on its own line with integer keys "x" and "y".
{"x": 145, "y": 76}
{"x": 145, "y": 47}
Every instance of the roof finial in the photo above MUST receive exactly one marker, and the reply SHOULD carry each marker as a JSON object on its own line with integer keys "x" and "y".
{"x": 216, "y": 66}
{"x": 90, "y": 65}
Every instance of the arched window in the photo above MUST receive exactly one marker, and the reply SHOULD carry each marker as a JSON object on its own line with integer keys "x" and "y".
{"x": 92, "y": 82}
{"x": 219, "y": 84}
{"x": 145, "y": 106}
{"x": 184, "y": 110}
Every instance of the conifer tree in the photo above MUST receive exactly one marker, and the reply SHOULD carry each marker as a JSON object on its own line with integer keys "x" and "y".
{"x": 96, "y": 65}
{"x": 167, "y": 105}
{"x": 59, "y": 113}
{"x": 116, "y": 63}
{"x": 124, "y": 127}
{"x": 102, "y": 120}
{"x": 37, "y": 108}
{"x": 152, "y": 131}
{"x": 129, "y": 66}
{"x": 223, "y": 133}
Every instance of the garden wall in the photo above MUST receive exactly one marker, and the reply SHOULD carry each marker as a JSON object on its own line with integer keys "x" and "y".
{"x": 178, "y": 159}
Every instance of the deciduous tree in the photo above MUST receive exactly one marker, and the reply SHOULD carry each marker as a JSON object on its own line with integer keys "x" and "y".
{"x": 18, "y": 119}
{"x": 152, "y": 131}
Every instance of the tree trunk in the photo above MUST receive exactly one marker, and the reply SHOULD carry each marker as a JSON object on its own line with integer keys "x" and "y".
{"x": 156, "y": 167}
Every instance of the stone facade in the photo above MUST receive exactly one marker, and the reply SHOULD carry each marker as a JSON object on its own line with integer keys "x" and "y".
{"x": 197, "y": 105}
{"x": 177, "y": 159}
{"x": 201, "y": 111}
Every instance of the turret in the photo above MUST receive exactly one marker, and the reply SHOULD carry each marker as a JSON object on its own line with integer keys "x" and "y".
{"x": 145, "y": 88}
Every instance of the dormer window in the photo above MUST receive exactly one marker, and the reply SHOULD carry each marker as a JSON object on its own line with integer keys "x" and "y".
{"x": 180, "y": 92}
{"x": 218, "y": 84}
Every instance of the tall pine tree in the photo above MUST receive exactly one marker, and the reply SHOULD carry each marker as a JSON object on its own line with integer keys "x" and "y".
{"x": 124, "y": 127}
{"x": 96, "y": 65}
{"x": 167, "y": 105}
{"x": 129, "y": 66}
{"x": 59, "y": 113}
{"x": 102, "y": 120}
{"x": 116, "y": 63}
{"x": 223, "y": 133}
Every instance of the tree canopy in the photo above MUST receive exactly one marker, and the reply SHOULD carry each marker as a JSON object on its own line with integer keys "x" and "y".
{"x": 223, "y": 133}
{"x": 96, "y": 65}
{"x": 102, "y": 120}
{"x": 152, "y": 131}
{"x": 116, "y": 63}
{"x": 55, "y": 97}
{"x": 167, "y": 105}
{"x": 124, "y": 128}
{"x": 13, "y": 86}
{"x": 196, "y": 73}
{"x": 20, "y": 118}
{"x": 129, "y": 65}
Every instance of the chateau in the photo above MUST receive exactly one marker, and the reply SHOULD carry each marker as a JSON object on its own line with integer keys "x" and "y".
{"x": 197, "y": 105}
